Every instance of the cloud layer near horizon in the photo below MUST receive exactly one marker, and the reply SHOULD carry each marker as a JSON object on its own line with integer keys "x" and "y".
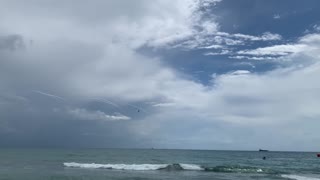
{"x": 81, "y": 61}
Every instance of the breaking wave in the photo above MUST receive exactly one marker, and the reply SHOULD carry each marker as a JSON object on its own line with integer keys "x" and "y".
{"x": 116, "y": 166}
{"x": 168, "y": 167}
{"x": 238, "y": 169}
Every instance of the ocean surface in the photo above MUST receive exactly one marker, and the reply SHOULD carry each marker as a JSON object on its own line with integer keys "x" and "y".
{"x": 123, "y": 164}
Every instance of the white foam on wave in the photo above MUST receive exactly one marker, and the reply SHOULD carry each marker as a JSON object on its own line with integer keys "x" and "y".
{"x": 296, "y": 177}
{"x": 192, "y": 167}
{"x": 137, "y": 167}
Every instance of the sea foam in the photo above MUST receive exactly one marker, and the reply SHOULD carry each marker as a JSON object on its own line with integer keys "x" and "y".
{"x": 298, "y": 177}
{"x": 138, "y": 167}
{"x": 167, "y": 167}
{"x": 193, "y": 167}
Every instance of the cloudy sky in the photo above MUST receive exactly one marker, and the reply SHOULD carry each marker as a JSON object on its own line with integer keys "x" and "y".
{"x": 195, "y": 74}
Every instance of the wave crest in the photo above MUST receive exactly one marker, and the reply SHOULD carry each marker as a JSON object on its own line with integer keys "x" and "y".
{"x": 116, "y": 166}
{"x": 138, "y": 167}
{"x": 167, "y": 167}
{"x": 234, "y": 169}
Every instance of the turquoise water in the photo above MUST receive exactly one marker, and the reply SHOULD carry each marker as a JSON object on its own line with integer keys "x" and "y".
{"x": 122, "y": 164}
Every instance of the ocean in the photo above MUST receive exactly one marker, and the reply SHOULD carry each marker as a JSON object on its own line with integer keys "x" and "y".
{"x": 155, "y": 164}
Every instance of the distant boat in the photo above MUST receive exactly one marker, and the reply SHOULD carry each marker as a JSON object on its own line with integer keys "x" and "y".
{"x": 318, "y": 155}
{"x": 263, "y": 150}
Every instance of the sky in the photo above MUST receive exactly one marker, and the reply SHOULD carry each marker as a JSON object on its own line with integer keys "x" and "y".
{"x": 183, "y": 74}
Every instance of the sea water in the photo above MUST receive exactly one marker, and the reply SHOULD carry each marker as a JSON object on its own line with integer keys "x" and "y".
{"x": 143, "y": 164}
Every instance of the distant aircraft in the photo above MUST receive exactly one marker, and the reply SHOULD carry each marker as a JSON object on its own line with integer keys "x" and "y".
{"x": 139, "y": 109}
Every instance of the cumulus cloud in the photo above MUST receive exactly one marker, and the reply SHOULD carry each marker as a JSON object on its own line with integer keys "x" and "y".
{"x": 88, "y": 51}
{"x": 243, "y": 100}
{"x": 246, "y": 99}
{"x": 115, "y": 21}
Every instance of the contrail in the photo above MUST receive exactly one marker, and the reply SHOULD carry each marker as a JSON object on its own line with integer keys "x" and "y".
{"x": 110, "y": 102}
{"x": 49, "y": 95}
{"x": 118, "y": 106}
{"x": 107, "y": 102}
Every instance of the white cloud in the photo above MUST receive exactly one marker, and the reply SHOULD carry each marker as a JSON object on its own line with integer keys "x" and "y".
{"x": 254, "y": 57}
{"x": 277, "y": 50}
{"x": 232, "y": 42}
{"x": 267, "y": 36}
{"x": 316, "y": 27}
{"x": 163, "y": 105}
{"x": 78, "y": 55}
{"x": 275, "y": 102}
{"x": 276, "y": 16}
{"x": 214, "y": 46}
{"x": 308, "y": 45}
{"x": 183, "y": 23}
{"x": 157, "y": 23}
{"x": 225, "y": 41}
{"x": 240, "y": 72}
{"x": 222, "y": 52}
{"x": 246, "y": 100}
{"x": 84, "y": 114}
{"x": 312, "y": 39}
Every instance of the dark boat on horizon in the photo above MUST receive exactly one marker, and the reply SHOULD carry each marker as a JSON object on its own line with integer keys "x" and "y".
{"x": 263, "y": 150}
